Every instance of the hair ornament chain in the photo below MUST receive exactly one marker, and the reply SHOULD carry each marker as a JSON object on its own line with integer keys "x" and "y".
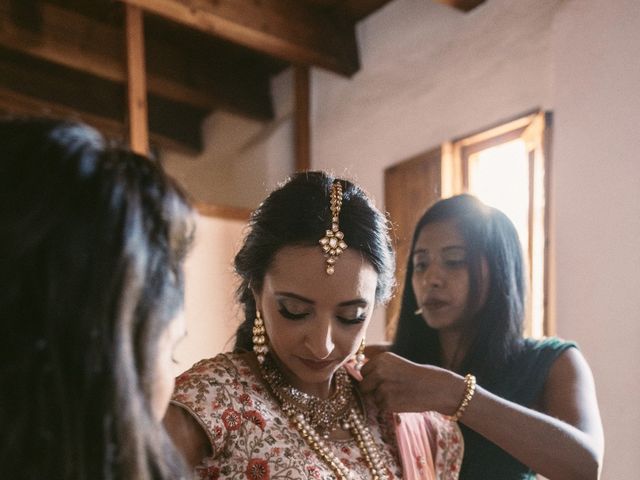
{"x": 333, "y": 243}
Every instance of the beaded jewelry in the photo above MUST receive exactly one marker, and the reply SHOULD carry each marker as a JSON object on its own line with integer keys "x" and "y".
{"x": 260, "y": 347}
{"x": 469, "y": 390}
{"x": 332, "y": 243}
{"x": 343, "y": 408}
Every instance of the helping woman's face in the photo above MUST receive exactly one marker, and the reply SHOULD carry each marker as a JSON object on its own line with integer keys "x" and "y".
{"x": 441, "y": 275}
{"x": 315, "y": 321}
{"x": 164, "y": 369}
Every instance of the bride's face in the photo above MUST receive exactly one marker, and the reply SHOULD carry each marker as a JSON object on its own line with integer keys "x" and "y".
{"x": 314, "y": 321}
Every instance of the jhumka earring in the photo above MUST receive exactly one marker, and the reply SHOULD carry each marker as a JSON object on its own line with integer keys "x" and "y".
{"x": 360, "y": 356}
{"x": 332, "y": 243}
{"x": 260, "y": 347}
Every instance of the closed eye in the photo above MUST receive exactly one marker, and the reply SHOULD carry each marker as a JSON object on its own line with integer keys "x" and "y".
{"x": 290, "y": 315}
{"x": 353, "y": 321}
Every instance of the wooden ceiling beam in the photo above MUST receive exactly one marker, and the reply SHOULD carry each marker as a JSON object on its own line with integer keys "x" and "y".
{"x": 464, "y": 5}
{"x": 76, "y": 41}
{"x": 137, "y": 117}
{"x": 292, "y": 30}
{"x": 63, "y": 91}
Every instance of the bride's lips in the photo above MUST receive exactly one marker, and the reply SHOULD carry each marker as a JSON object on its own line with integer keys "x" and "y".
{"x": 316, "y": 364}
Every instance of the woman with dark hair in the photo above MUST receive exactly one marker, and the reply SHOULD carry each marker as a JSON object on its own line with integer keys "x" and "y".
{"x": 316, "y": 260}
{"x": 93, "y": 240}
{"x": 533, "y": 408}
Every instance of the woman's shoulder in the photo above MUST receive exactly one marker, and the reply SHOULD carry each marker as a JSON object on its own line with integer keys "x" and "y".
{"x": 221, "y": 366}
{"x": 545, "y": 346}
{"x": 225, "y": 371}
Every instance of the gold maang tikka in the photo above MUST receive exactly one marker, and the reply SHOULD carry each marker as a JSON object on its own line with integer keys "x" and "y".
{"x": 332, "y": 243}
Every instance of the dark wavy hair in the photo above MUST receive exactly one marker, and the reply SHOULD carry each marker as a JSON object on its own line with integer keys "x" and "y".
{"x": 93, "y": 240}
{"x": 298, "y": 213}
{"x": 497, "y": 324}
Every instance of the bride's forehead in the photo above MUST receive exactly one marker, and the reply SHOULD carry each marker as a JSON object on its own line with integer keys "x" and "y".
{"x": 304, "y": 268}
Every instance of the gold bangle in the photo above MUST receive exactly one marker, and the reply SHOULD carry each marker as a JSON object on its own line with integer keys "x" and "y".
{"x": 469, "y": 390}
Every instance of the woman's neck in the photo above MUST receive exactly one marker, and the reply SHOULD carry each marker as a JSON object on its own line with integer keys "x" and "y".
{"x": 454, "y": 348}
{"x": 320, "y": 390}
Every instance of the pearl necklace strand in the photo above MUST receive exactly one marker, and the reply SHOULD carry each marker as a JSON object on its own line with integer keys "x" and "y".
{"x": 353, "y": 421}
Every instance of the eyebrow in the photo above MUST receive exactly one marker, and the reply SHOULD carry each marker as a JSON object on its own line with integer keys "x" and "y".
{"x": 445, "y": 249}
{"x": 355, "y": 301}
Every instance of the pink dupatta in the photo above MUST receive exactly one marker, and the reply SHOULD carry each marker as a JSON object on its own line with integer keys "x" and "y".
{"x": 429, "y": 444}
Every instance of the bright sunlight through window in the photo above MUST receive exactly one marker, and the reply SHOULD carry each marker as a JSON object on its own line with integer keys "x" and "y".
{"x": 499, "y": 176}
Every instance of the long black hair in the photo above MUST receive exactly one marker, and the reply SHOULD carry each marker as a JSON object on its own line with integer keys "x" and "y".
{"x": 298, "y": 213}
{"x": 496, "y": 325}
{"x": 93, "y": 240}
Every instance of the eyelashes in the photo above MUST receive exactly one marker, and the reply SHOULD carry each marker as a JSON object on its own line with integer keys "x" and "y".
{"x": 291, "y": 316}
{"x": 353, "y": 321}
{"x": 299, "y": 316}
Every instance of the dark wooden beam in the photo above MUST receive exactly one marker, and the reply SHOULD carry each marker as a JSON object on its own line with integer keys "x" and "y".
{"x": 101, "y": 102}
{"x": 464, "y": 5}
{"x": 292, "y": 30}
{"x": 137, "y": 117}
{"x": 74, "y": 40}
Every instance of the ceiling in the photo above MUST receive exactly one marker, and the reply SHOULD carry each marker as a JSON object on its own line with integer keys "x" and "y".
{"x": 68, "y": 57}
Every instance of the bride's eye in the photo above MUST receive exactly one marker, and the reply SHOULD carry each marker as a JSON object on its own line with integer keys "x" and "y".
{"x": 293, "y": 310}
{"x": 353, "y": 315}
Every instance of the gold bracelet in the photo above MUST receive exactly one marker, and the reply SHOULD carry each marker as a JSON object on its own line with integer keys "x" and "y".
{"x": 469, "y": 390}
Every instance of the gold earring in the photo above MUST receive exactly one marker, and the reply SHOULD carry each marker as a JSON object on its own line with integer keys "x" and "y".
{"x": 260, "y": 347}
{"x": 360, "y": 356}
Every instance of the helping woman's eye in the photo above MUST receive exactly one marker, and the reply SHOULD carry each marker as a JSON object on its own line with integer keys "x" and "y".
{"x": 454, "y": 257}
{"x": 293, "y": 309}
{"x": 420, "y": 262}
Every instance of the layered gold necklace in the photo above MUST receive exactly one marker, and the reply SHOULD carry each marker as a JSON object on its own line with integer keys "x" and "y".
{"x": 316, "y": 418}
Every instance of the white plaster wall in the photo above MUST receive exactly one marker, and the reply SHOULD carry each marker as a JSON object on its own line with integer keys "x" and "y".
{"x": 242, "y": 159}
{"x": 596, "y": 187}
{"x": 429, "y": 73}
{"x": 211, "y": 312}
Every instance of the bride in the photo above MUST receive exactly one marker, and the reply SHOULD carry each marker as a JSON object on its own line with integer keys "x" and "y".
{"x": 314, "y": 264}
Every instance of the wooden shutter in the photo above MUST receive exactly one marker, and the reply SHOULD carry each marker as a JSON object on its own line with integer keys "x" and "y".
{"x": 411, "y": 187}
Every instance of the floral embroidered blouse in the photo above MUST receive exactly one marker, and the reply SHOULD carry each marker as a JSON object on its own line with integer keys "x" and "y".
{"x": 252, "y": 438}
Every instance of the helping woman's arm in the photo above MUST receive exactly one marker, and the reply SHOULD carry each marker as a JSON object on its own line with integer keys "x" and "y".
{"x": 562, "y": 441}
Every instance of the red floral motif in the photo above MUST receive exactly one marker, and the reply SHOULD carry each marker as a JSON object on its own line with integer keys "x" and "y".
{"x": 201, "y": 367}
{"x": 346, "y": 450}
{"x": 257, "y": 469}
{"x": 245, "y": 399}
{"x": 256, "y": 418}
{"x": 313, "y": 471}
{"x": 180, "y": 398}
{"x": 185, "y": 377}
{"x": 209, "y": 473}
{"x": 257, "y": 388}
{"x": 231, "y": 419}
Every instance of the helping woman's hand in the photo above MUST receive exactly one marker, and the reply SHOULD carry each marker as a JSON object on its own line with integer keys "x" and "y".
{"x": 399, "y": 385}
